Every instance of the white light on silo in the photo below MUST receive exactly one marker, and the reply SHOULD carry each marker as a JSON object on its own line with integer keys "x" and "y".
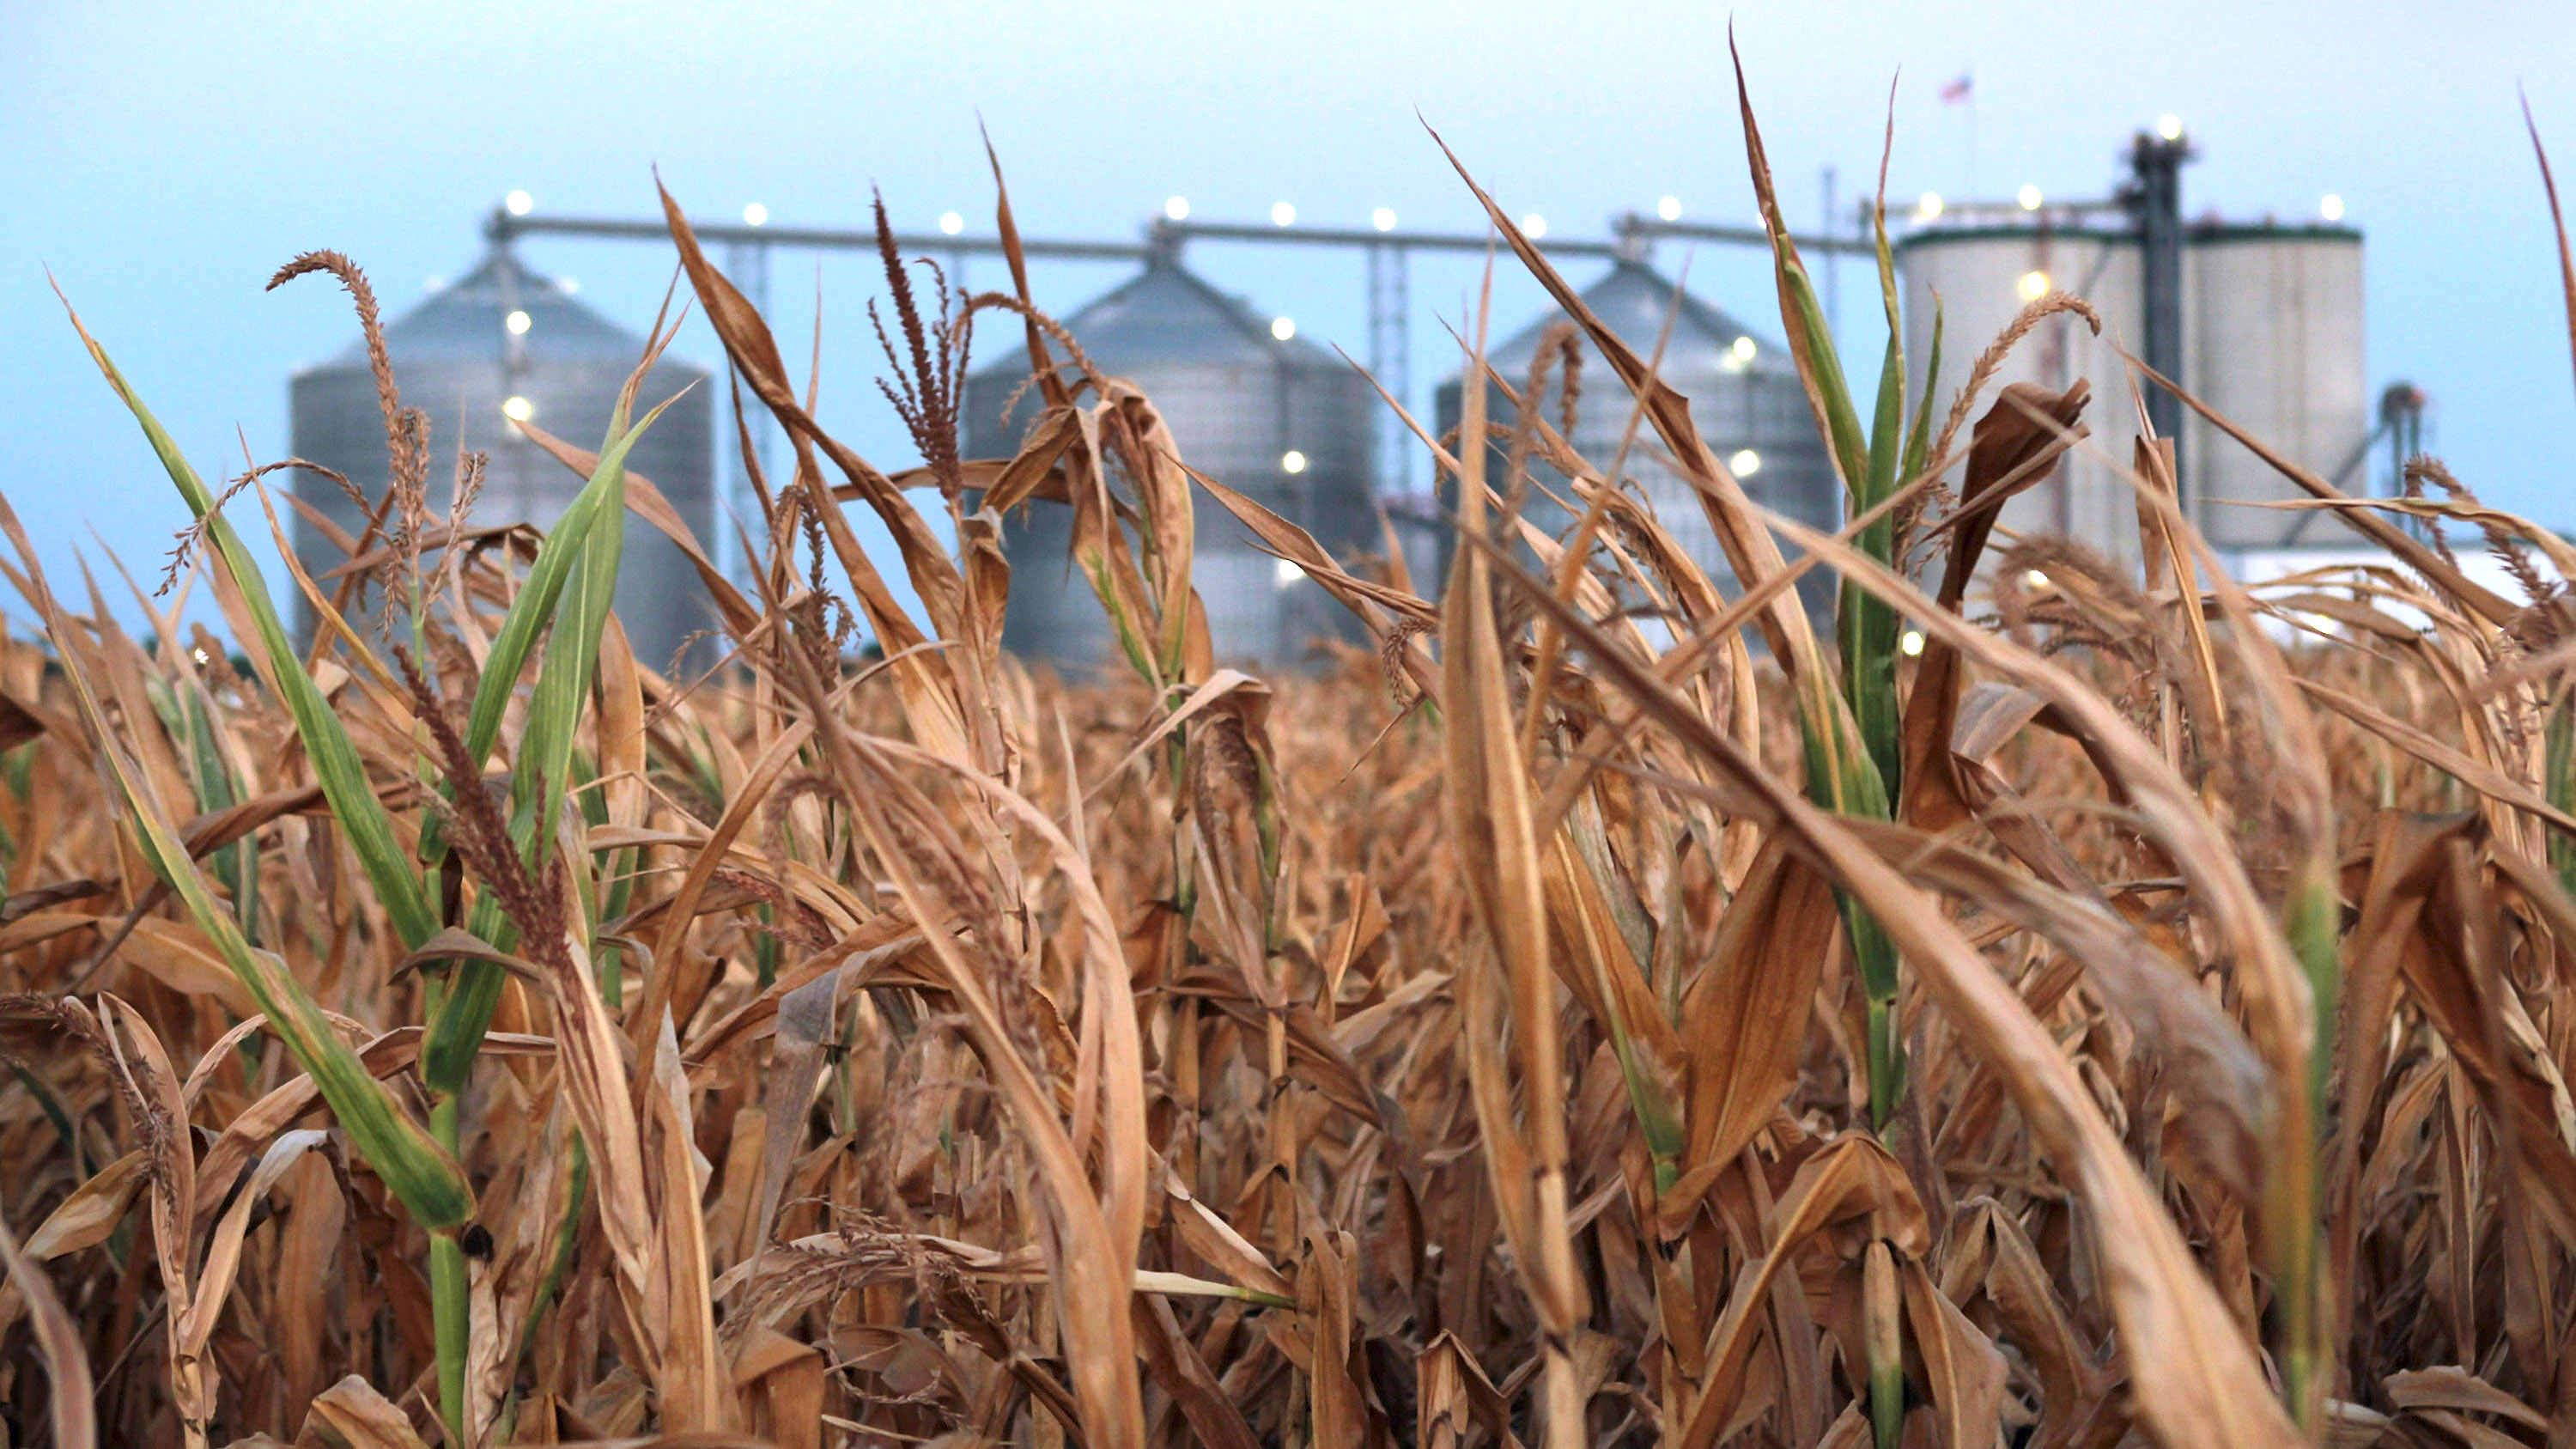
{"x": 1670, "y": 208}
{"x": 1745, "y": 463}
{"x": 518, "y": 410}
{"x": 2169, "y": 127}
{"x": 1292, "y": 461}
{"x": 1178, "y": 208}
{"x": 1912, "y": 643}
{"x": 2034, "y": 285}
{"x": 1282, "y": 214}
{"x": 517, "y": 322}
{"x": 1744, "y": 349}
{"x": 1533, "y": 226}
{"x": 1930, "y": 206}
{"x": 520, "y": 203}
{"x": 951, "y": 223}
{"x": 2029, "y": 198}
{"x": 755, "y": 215}
{"x": 1283, "y": 328}
{"x": 2331, "y": 208}
{"x": 1383, "y": 218}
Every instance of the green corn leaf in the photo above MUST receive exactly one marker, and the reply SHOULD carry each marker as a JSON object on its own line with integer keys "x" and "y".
{"x": 185, "y": 714}
{"x": 54, "y": 1113}
{"x": 1095, "y": 567}
{"x": 457, "y": 1027}
{"x": 1852, "y": 736}
{"x": 420, "y": 1173}
{"x": 336, "y": 766}
{"x": 1816, "y": 339}
{"x": 535, "y": 606}
{"x": 589, "y": 541}
{"x": 544, "y": 766}
{"x": 1868, "y": 622}
{"x": 1918, "y": 440}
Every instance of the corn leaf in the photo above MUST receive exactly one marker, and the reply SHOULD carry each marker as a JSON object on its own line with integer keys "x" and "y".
{"x": 343, "y": 777}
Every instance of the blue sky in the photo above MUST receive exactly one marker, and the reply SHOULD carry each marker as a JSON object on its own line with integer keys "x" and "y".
{"x": 161, "y": 159}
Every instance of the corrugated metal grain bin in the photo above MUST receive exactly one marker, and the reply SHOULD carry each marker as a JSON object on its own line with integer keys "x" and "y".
{"x": 503, "y": 333}
{"x": 1283, "y": 421}
{"x": 1744, "y": 394}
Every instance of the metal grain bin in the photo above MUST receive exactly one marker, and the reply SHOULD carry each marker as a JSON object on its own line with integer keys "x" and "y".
{"x": 1239, "y": 402}
{"x": 502, "y": 333}
{"x": 1744, "y": 394}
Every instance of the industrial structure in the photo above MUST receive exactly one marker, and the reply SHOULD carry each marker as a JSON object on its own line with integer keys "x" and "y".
{"x": 1285, "y": 421}
{"x": 1744, "y": 393}
{"x": 505, "y": 343}
{"x": 2261, "y": 321}
{"x": 1276, "y": 417}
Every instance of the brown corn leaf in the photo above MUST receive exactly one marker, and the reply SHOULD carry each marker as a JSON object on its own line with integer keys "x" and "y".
{"x": 2211, "y": 1390}
{"x": 353, "y": 1414}
{"x": 806, "y": 1017}
{"x": 690, "y": 1375}
{"x": 1749, "y": 549}
{"x": 1457, "y": 1399}
{"x": 1961, "y": 1367}
{"x": 2449, "y": 1386}
{"x": 58, "y": 1340}
{"x": 1177, "y": 1367}
{"x": 2011, "y": 449}
{"x": 781, "y": 1382}
{"x": 1746, "y": 1013}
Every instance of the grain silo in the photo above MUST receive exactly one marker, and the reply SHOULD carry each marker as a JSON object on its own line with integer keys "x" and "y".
{"x": 1744, "y": 394}
{"x": 1979, "y": 277}
{"x": 2273, "y": 342}
{"x": 1277, "y": 418}
{"x": 505, "y": 336}
{"x": 2269, "y": 318}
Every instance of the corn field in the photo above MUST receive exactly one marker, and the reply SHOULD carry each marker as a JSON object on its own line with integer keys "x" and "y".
{"x": 1608, "y": 1010}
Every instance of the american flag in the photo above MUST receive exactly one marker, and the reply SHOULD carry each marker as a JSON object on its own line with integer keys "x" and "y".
{"x": 1958, "y": 90}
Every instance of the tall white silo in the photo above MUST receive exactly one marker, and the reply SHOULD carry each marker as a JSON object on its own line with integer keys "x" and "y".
{"x": 1980, "y": 278}
{"x": 2273, "y": 339}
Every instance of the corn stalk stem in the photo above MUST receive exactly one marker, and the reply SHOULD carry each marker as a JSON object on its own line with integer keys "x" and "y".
{"x": 2307, "y": 1362}
{"x": 451, "y": 1320}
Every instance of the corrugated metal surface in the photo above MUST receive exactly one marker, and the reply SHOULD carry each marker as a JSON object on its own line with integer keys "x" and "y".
{"x": 455, "y": 357}
{"x": 1237, "y": 401}
{"x": 2272, "y": 338}
{"x": 1740, "y": 403}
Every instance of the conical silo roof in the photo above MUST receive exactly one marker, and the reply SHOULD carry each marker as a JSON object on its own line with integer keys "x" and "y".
{"x": 1284, "y": 421}
{"x": 1167, "y": 313}
{"x": 1633, "y": 300}
{"x": 467, "y": 320}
